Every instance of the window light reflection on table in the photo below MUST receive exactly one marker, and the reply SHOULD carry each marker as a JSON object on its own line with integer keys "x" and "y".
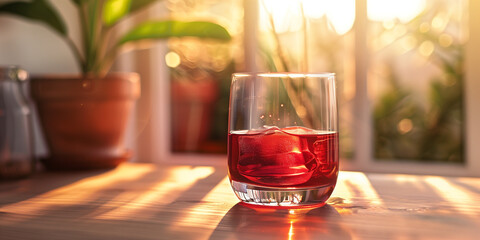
{"x": 81, "y": 189}
{"x": 124, "y": 205}
{"x": 176, "y": 183}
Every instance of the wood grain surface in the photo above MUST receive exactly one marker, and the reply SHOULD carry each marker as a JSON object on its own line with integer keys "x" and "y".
{"x": 146, "y": 201}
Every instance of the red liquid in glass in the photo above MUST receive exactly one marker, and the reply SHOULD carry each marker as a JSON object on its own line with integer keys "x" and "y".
{"x": 294, "y": 157}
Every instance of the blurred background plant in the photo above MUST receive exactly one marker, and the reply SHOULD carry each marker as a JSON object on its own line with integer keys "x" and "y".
{"x": 200, "y": 75}
{"x": 405, "y": 127}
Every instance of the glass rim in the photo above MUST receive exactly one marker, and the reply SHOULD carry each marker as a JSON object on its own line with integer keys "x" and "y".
{"x": 283, "y": 74}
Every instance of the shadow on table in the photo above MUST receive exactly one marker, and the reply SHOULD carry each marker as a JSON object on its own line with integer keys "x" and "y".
{"x": 242, "y": 222}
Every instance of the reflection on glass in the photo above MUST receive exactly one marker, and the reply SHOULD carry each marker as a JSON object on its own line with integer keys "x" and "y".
{"x": 416, "y": 75}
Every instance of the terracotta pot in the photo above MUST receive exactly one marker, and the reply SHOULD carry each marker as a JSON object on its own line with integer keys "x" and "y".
{"x": 192, "y": 106}
{"x": 84, "y": 119}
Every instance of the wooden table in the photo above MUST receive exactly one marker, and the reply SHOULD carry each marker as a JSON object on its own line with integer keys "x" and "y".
{"x": 146, "y": 201}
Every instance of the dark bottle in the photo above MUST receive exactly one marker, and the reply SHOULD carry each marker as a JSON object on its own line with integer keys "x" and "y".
{"x": 16, "y": 138}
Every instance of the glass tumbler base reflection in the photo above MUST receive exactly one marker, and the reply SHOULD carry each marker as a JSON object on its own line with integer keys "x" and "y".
{"x": 282, "y": 197}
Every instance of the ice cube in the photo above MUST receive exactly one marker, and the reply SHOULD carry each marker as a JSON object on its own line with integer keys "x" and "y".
{"x": 298, "y": 130}
{"x": 275, "y": 158}
{"x": 271, "y": 141}
{"x": 323, "y": 151}
{"x": 264, "y": 130}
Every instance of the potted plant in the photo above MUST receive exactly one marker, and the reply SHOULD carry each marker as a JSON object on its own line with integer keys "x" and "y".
{"x": 84, "y": 116}
{"x": 194, "y": 91}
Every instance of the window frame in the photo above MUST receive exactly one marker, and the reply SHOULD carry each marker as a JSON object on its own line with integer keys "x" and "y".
{"x": 363, "y": 130}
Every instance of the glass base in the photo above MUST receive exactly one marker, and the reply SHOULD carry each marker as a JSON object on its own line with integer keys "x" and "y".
{"x": 282, "y": 197}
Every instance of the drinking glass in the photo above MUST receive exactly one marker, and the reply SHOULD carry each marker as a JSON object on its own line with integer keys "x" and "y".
{"x": 283, "y": 138}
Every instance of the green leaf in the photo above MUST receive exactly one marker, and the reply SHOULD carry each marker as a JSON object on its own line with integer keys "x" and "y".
{"x": 93, "y": 12}
{"x": 114, "y": 10}
{"x": 172, "y": 28}
{"x": 139, "y": 4}
{"x": 78, "y": 2}
{"x": 37, "y": 10}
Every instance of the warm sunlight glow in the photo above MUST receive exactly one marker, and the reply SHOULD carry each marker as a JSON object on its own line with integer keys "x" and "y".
{"x": 82, "y": 190}
{"x": 296, "y": 150}
{"x": 340, "y": 13}
{"x": 172, "y": 59}
{"x": 405, "y": 126}
{"x": 287, "y": 14}
{"x": 426, "y": 48}
{"x": 405, "y": 178}
{"x": 356, "y": 185}
{"x": 387, "y": 10}
{"x": 179, "y": 180}
{"x": 290, "y": 231}
{"x": 445, "y": 40}
{"x": 202, "y": 214}
{"x": 463, "y": 201}
{"x": 408, "y": 43}
{"x": 440, "y": 21}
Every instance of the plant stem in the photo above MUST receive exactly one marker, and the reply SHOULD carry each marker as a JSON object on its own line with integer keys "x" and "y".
{"x": 108, "y": 60}
{"x": 305, "y": 39}
{"x": 76, "y": 52}
{"x": 94, "y": 24}
{"x": 89, "y": 13}
{"x": 84, "y": 30}
{"x": 281, "y": 55}
{"x": 102, "y": 47}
